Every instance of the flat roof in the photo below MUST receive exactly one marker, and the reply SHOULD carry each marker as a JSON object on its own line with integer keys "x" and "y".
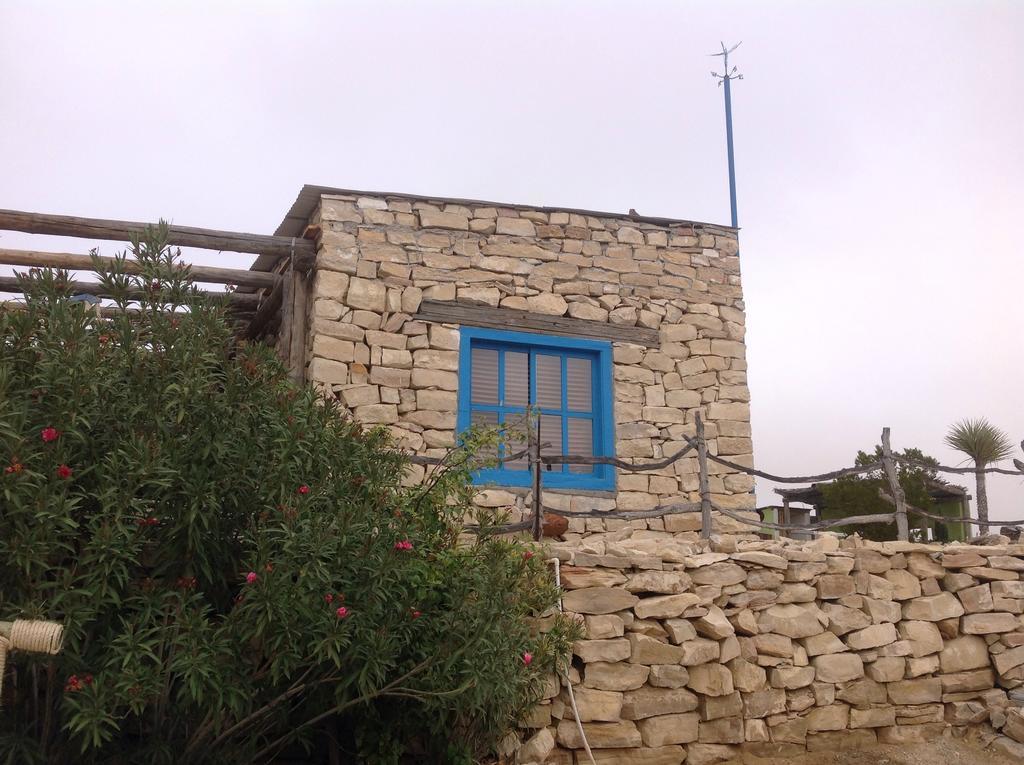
{"x": 298, "y": 215}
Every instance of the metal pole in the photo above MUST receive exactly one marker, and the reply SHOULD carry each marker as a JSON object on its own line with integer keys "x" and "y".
{"x": 726, "y": 78}
{"x": 705, "y": 492}
{"x": 732, "y": 160}
{"x": 538, "y": 530}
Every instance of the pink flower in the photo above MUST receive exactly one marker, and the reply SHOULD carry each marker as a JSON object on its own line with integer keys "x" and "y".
{"x": 328, "y": 598}
{"x": 405, "y": 544}
{"x": 416, "y": 614}
{"x": 303, "y": 489}
{"x": 251, "y": 577}
{"x": 342, "y": 612}
{"x": 64, "y": 472}
{"x": 49, "y": 434}
{"x": 527, "y": 658}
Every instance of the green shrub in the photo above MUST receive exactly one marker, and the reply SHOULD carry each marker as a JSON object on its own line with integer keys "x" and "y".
{"x": 238, "y": 566}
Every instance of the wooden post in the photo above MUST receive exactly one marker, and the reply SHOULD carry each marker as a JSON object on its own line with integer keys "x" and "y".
{"x": 538, "y": 505}
{"x": 297, "y": 360}
{"x": 705, "y": 492}
{"x": 902, "y": 530}
{"x": 787, "y": 517}
{"x": 284, "y": 331}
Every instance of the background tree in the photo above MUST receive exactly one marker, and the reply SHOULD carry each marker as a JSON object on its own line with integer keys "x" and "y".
{"x": 239, "y": 567}
{"x": 859, "y": 495}
{"x": 985, "y": 444}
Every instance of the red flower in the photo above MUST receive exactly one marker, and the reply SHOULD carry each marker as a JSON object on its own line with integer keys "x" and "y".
{"x": 303, "y": 489}
{"x": 328, "y": 598}
{"x": 528, "y": 554}
{"x": 64, "y": 472}
{"x": 527, "y": 658}
{"x": 405, "y": 544}
{"x": 49, "y": 434}
{"x": 251, "y": 577}
{"x": 342, "y": 612}
{"x": 14, "y": 467}
{"x": 416, "y": 614}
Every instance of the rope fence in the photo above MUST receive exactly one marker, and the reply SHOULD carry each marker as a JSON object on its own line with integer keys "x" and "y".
{"x": 706, "y": 507}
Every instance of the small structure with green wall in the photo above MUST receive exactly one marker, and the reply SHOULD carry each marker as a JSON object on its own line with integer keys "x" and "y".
{"x": 948, "y": 501}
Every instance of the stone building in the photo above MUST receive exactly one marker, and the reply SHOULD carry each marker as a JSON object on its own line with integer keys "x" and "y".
{"x": 426, "y": 314}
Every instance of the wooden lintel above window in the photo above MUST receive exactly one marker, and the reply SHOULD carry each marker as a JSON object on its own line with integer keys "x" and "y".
{"x": 474, "y": 315}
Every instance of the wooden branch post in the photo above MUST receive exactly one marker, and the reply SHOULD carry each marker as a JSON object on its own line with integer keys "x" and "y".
{"x": 535, "y": 472}
{"x": 889, "y": 465}
{"x": 297, "y": 360}
{"x": 705, "y": 492}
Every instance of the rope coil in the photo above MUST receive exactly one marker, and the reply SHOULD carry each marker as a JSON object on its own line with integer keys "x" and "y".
{"x": 28, "y": 635}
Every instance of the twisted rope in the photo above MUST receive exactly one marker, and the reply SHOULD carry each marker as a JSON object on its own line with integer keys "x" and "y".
{"x": 28, "y": 635}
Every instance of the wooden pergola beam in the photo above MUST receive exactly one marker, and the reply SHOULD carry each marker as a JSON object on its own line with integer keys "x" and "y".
{"x": 181, "y": 236}
{"x": 240, "y": 301}
{"x": 71, "y": 261}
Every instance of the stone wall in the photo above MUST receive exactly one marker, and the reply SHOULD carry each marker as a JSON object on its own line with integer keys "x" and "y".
{"x": 778, "y": 647}
{"x": 380, "y": 256}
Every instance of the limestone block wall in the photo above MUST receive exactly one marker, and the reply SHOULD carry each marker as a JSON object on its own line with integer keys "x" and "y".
{"x": 777, "y": 648}
{"x": 381, "y": 256}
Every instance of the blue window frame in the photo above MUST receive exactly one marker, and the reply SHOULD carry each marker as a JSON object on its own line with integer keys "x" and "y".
{"x": 567, "y": 381}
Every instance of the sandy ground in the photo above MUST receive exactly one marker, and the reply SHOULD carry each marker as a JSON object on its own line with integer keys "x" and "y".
{"x": 943, "y": 751}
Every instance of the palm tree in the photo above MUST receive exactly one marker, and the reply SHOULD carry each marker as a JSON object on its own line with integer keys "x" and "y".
{"x": 984, "y": 443}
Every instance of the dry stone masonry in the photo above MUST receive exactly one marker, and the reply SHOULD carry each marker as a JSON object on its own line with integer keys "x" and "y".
{"x": 380, "y": 256}
{"x": 777, "y": 647}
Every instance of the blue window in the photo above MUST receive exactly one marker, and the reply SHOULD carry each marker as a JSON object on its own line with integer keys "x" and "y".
{"x": 566, "y": 380}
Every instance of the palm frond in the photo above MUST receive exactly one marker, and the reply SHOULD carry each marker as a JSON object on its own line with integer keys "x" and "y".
{"x": 980, "y": 440}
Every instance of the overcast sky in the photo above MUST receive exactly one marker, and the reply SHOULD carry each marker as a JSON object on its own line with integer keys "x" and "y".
{"x": 879, "y": 155}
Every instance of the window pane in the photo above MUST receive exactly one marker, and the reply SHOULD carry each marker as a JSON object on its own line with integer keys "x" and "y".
{"x": 517, "y": 379}
{"x": 551, "y": 435}
{"x": 578, "y": 384}
{"x": 485, "y": 376}
{"x": 516, "y": 435}
{"x": 485, "y": 420}
{"x": 549, "y": 381}
{"x": 581, "y": 442}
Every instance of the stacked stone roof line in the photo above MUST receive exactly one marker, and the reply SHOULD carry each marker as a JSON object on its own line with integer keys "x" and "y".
{"x": 697, "y": 652}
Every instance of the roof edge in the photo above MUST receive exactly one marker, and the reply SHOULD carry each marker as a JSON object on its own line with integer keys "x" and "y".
{"x": 294, "y": 222}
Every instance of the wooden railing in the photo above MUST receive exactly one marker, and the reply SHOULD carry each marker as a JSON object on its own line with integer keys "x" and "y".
{"x": 263, "y": 302}
{"x": 706, "y": 507}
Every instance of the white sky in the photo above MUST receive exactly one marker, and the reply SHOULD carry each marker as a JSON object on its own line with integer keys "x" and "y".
{"x": 879, "y": 152}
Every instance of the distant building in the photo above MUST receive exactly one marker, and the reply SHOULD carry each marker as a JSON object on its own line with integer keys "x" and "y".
{"x": 947, "y": 500}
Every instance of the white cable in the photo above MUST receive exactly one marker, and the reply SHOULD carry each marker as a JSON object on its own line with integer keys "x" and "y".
{"x": 568, "y": 682}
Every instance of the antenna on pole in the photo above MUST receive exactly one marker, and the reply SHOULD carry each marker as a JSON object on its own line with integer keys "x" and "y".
{"x": 727, "y": 76}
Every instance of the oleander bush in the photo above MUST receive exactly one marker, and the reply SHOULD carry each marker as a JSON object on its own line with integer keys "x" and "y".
{"x": 239, "y": 568}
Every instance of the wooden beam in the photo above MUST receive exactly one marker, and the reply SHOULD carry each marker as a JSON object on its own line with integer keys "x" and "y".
{"x": 181, "y": 236}
{"x": 471, "y": 315}
{"x": 244, "y": 301}
{"x": 71, "y": 261}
